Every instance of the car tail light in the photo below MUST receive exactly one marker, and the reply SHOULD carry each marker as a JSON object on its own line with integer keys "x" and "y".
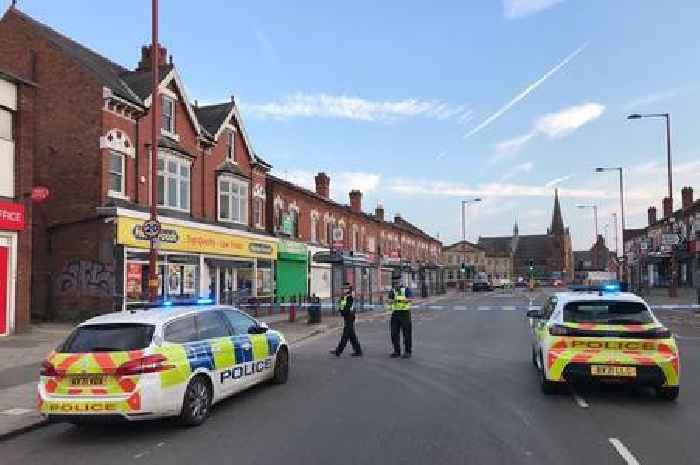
{"x": 659, "y": 333}
{"x": 559, "y": 330}
{"x": 147, "y": 364}
{"x": 47, "y": 369}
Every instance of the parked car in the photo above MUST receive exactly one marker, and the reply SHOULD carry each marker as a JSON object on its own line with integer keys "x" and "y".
{"x": 481, "y": 286}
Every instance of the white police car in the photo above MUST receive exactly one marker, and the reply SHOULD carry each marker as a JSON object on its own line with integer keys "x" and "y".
{"x": 167, "y": 361}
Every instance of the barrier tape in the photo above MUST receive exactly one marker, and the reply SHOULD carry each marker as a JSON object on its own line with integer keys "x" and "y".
{"x": 447, "y": 307}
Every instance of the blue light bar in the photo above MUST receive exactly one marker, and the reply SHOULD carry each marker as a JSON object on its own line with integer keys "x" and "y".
{"x": 167, "y": 303}
{"x": 204, "y": 301}
{"x": 612, "y": 287}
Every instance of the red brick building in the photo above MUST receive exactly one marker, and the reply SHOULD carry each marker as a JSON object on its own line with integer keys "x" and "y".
{"x": 17, "y": 130}
{"x": 92, "y": 150}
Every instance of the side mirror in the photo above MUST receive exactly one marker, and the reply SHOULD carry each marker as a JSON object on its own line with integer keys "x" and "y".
{"x": 535, "y": 314}
{"x": 260, "y": 328}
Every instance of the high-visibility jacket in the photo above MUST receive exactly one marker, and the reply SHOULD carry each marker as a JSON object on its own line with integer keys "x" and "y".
{"x": 400, "y": 302}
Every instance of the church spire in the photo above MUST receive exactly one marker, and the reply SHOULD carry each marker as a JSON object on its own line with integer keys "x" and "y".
{"x": 515, "y": 228}
{"x": 557, "y": 227}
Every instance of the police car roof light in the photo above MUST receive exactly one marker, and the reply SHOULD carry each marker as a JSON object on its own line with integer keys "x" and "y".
{"x": 204, "y": 301}
{"x": 167, "y": 303}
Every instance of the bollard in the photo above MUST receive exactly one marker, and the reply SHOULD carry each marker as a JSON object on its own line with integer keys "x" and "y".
{"x": 292, "y": 311}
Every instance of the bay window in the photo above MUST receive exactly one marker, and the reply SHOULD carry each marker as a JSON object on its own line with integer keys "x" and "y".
{"x": 233, "y": 200}
{"x": 174, "y": 182}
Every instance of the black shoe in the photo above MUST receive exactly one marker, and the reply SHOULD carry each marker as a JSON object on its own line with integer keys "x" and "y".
{"x": 395, "y": 355}
{"x": 406, "y": 355}
{"x": 334, "y": 352}
{"x": 356, "y": 354}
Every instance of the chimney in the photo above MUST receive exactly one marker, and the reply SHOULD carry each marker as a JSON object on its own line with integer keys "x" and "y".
{"x": 651, "y": 214}
{"x": 397, "y": 217}
{"x": 379, "y": 212}
{"x": 668, "y": 207}
{"x": 323, "y": 185}
{"x": 687, "y": 197}
{"x": 146, "y": 60}
{"x": 356, "y": 201}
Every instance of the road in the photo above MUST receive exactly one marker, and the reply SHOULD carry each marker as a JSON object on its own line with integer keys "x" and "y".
{"x": 469, "y": 395}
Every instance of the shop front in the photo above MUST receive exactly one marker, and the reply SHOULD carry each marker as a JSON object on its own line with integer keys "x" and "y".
{"x": 292, "y": 270}
{"x": 224, "y": 266}
{"x": 319, "y": 275}
{"x": 11, "y": 222}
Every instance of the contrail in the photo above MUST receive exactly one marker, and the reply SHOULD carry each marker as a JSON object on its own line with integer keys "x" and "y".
{"x": 501, "y": 111}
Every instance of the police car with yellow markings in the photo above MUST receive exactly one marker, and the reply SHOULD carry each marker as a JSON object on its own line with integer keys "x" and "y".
{"x": 160, "y": 362}
{"x": 605, "y": 335}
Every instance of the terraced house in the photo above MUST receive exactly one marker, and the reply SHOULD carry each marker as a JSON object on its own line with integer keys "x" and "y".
{"x": 222, "y": 232}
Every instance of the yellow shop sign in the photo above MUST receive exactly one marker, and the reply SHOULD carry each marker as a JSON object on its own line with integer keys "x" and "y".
{"x": 184, "y": 239}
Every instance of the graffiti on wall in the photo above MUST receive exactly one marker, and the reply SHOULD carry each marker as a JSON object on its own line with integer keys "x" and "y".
{"x": 86, "y": 278}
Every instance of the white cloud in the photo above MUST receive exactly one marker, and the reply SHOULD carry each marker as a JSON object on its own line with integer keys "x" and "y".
{"x": 557, "y": 181}
{"x": 514, "y": 9}
{"x": 562, "y": 123}
{"x": 661, "y": 96}
{"x": 517, "y": 170}
{"x": 344, "y": 107}
{"x": 553, "y": 125}
{"x": 501, "y": 111}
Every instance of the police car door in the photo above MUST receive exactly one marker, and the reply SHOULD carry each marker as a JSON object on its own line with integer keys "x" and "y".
{"x": 214, "y": 336}
{"x": 541, "y": 328}
{"x": 247, "y": 370}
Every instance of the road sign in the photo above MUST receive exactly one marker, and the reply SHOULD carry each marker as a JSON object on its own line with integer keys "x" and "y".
{"x": 151, "y": 228}
{"x": 670, "y": 239}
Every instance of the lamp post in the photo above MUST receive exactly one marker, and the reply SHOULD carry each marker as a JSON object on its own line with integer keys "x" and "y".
{"x": 595, "y": 222}
{"x": 464, "y": 215}
{"x": 673, "y": 288}
{"x": 155, "y": 133}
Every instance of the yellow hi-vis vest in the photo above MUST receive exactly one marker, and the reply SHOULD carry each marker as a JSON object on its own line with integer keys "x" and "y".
{"x": 400, "y": 301}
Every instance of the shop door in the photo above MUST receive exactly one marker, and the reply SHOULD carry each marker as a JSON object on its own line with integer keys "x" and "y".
{"x": 4, "y": 278}
{"x": 227, "y": 286}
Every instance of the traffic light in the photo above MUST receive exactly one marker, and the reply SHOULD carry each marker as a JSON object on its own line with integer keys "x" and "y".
{"x": 532, "y": 264}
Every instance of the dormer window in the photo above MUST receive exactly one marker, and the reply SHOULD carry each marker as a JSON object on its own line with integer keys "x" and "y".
{"x": 167, "y": 114}
{"x": 231, "y": 145}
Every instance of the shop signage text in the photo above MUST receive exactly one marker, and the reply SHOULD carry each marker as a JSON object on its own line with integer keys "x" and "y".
{"x": 185, "y": 239}
{"x": 11, "y": 216}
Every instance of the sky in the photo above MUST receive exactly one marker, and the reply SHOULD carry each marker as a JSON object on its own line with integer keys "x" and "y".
{"x": 421, "y": 105}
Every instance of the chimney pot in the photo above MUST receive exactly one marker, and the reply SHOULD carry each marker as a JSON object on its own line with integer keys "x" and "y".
{"x": 651, "y": 215}
{"x": 668, "y": 207}
{"x": 356, "y": 201}
{"x": 379, "y": 212}
{"x": 687, "y": 197}
{"x": 323, "y": 185}
{"x": 146, "y": 59}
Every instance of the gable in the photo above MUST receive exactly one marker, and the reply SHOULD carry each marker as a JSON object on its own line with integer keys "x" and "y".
{"x": 173, "y": 82}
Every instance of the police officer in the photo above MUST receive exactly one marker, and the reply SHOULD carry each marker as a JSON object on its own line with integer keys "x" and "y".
{"x": 400, "y": 318}
{"x": 348, "y": 313}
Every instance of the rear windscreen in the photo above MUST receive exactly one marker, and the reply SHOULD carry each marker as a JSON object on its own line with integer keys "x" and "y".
{"x": 607, "y": 313}
{"x": 108, "y": 338}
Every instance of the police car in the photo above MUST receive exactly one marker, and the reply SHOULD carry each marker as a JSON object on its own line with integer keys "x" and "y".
{"x": 607, "y": 336}
{"x": 167, "y": 361}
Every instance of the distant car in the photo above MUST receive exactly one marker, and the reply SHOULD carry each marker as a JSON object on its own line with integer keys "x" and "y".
{"x": 521, "y": 284}
{"x": 481, "y": 286}
{"x": 165, "y": 361}
{"x": 605, "y": 336}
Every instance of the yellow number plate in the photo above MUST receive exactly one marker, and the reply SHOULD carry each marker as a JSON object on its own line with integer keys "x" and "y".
{"x": 609, "y": 370}
{"x": 86, "y": 380}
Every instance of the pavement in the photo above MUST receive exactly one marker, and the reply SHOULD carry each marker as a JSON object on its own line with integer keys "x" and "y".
{"x": 468, "y": 395}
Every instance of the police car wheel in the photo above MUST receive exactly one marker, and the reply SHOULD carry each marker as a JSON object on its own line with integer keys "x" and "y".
{"x": 197, "y": 402}
{"x": 281, "y": 367}
{"x": 668, "y": 393}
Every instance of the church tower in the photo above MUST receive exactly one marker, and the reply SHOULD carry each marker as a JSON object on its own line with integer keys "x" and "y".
{"x": 557, "y": 227}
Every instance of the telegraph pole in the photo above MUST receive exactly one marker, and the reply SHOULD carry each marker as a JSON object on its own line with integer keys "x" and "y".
{"x": 155, "y": 132}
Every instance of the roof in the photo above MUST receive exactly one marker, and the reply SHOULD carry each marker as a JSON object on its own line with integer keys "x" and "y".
{"x": 566, "y": 297}
{"x": 211, "y": 117}
{"x": 497, "y": 245}
{"x": 456, "y": 245}
{"x": 140, "y": 82}
{"x": 102, "y": 69}
{"x": 152, "y": 316}
{"x": 557, "y": 226}
{"x": 538, "y": 247}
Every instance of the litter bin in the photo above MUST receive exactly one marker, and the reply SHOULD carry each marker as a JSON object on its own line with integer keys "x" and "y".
{"x": 314, "y": 310}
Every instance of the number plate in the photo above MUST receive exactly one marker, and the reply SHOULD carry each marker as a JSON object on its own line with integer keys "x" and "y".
{"x": 609, "y": 370}
{"x": 86, "y": 380}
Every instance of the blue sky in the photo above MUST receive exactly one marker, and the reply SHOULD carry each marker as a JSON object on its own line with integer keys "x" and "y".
{"x": 420, "y": 106}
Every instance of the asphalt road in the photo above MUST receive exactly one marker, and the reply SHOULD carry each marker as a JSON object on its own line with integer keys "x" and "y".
{"x": 470, "y": 395}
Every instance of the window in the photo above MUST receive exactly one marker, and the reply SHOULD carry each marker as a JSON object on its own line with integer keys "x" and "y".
{"x": 239, "y": 322}
{"x": 181, "y": 331}
{"x": 211, "y": 325}
{"x": 173, "y": 182}
{"x": 116, "y": 173}
{"x": 108, "y": 337}
{"x": 5, "y": 124}
{"x": 231, "y": 145}
{"x": 233, "y": 200}
{"x": 167, "y": 114}
{"x": 313, "y": 233}
{"x": 294, "y": 213}
{"x": 258, "y": 209}
{"x": 607, "y": 312}
{"x": 7, "y": 154}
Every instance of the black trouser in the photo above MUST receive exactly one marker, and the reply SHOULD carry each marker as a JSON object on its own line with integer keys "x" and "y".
{"x": 349, "y": 334}
{"x": 401, "y": 322}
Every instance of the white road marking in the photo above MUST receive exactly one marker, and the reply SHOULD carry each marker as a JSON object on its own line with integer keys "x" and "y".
{"x": 623, "y": 451}
{"x": 436, "y": 307}
{"x": 460, "y": 307}
{"x": 508, "y": 308}
{"x": 580, "y": 400}
{"x": 16, "y": 411}
{"x": 483, "y": 308}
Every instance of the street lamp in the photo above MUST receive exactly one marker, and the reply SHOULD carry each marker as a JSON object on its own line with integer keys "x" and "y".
{"x": 672, "y": 290}
{"x": 464, "y": 215}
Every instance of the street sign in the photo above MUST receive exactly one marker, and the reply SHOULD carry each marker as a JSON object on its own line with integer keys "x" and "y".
{"x": 670, "y": 239}
{"x": 39, "y": 194}
{"x": 287, "y": 224}
{"x": 151, "y": 228}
